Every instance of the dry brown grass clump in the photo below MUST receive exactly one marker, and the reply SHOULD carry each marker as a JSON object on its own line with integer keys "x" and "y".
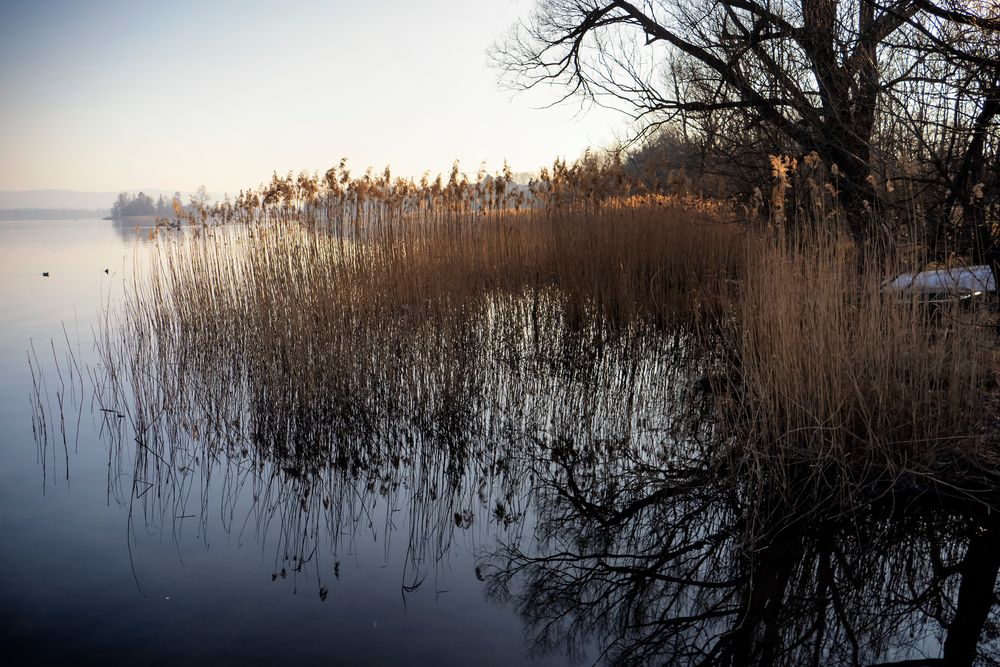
{"x": 844, "y": 388}
{"x": 642, "y": 258}
{"x": 832, "y": 385}
{"x": 574, "y": 323}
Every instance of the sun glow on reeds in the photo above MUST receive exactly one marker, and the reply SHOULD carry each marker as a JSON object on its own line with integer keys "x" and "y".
{"x": 582, "y": 309}
{"x": 316, "y": 356}
{"x": 839, "y": 386}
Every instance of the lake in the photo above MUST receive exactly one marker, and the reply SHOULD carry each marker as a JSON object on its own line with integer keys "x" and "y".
{"x": 81, "y": 577}
{"x": 548, "y": 499}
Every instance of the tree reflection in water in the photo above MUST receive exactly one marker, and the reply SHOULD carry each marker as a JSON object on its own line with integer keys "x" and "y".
{"x": 647, "y": 565}
{"x": 582, "y": 461}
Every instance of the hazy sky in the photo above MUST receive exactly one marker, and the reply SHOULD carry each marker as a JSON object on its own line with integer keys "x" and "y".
{"x": 111, "y": 95}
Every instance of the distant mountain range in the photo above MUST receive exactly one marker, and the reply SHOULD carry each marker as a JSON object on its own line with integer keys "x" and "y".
{"x": 71, "y": 199}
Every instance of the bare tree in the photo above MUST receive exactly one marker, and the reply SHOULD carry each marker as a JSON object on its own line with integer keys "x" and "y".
{"x": 827, "y": 76}
{"x": 200, "y": 198}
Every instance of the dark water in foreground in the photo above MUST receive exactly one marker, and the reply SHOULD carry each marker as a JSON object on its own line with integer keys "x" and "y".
{"x": 552, "y": 524}
{"x": 82, "y": 580}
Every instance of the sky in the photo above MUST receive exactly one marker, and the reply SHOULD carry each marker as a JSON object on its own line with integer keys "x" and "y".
{"x": 107, "y": 95}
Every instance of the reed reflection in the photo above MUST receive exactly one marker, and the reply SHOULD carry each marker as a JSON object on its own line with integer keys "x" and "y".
{"x": 422, "y": 364}
{"x": 417, "y": 427}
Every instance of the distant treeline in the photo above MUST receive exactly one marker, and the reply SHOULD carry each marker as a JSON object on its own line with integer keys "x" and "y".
{"x": 134, "y": 206}
{"x": 52, "y": 214}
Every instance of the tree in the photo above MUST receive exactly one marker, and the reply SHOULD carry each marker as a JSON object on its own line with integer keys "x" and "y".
{"x": 200, "y": 198}
{"x": 120, "y": 207}
{"x": 126, "y": 206}
{"x": 828, "y": 76}
{"x": 143, "y": 205}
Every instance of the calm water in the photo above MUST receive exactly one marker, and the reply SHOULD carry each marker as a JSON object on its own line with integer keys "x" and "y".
{"x": 547, "y": 515}
{"x": 83, "y": 578}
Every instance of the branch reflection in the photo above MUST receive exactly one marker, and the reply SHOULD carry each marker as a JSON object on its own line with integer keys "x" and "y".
{"x": 635, "y": 564}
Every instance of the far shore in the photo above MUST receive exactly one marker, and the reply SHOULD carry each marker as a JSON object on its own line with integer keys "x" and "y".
{"x": 132, "y": 218}
{"x": 14, "y": 214}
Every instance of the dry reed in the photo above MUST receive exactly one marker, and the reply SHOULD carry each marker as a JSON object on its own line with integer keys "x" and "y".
{"x": 842, "y": 388}
{"x": 345, "y": 302}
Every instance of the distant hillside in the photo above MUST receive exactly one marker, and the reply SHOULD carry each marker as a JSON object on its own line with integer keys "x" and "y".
{"x": 72, "y": 199}
{"x": 53, "y": 214}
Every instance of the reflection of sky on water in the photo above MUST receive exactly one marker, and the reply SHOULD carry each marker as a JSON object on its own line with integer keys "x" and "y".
{"x": 74, "y": 253}
{"x": 475, "y": 552}
{"x": 67, "y": 584}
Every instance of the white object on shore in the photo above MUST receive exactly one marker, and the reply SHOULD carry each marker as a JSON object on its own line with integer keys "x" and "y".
{"x": 939, "y": 284}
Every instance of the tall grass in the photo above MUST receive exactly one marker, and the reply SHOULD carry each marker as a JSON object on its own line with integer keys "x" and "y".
{"x": 424, "y": 357}
{"x": 647, "y": 259}
{"x": 544, "y": 320}
{"x": 344, "y": 303}
{"x": 841, "y": 386}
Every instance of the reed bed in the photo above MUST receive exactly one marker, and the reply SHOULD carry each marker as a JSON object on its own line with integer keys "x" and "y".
{"x": 841, "y": 387}
{"x": 422, "y": 358}
{"x": 580, "y": 311}
{"x": 615, "y": 376}
{"x": 430, "y": 311}
{"x": 647, "y": 260}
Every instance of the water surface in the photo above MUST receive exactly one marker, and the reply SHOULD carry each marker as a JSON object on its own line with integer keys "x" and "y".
{"x": 81, "y": 577}
{"x": 546, "y": 497}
